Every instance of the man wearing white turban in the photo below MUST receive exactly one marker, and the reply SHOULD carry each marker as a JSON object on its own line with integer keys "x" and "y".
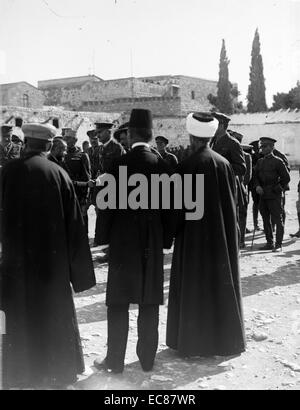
{"x": 205, "y": 315}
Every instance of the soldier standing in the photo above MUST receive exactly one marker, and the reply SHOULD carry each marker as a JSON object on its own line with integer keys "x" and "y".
{"x": 271, "y": 178}
{"x": 77, "y": 164}
{"x": 121, "y": 135}
{"x": 110, "y": 151}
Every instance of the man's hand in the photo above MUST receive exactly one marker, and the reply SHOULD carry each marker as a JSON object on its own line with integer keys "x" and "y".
{"x": 91, "y": 184}
{"x": 259, "y": 190}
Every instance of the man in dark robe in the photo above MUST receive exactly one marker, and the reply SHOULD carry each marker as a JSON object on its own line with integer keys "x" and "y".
{"x": 205, "y": 315}
{"x": 136, "y": 239}
{"x": 45, "y": 250}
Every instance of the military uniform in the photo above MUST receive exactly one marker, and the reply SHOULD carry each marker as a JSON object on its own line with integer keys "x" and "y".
{"x": 77, "y": 164}
{"x": 170, "y": 159}
{"x": 109, "y": 153}
{"x": 272, "y": 175}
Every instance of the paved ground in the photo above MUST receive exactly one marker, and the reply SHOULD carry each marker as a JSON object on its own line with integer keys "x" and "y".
{"x": 271, "y": 290}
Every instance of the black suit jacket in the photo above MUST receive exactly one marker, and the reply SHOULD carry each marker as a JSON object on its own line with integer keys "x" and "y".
{"x": 136, "y": 238}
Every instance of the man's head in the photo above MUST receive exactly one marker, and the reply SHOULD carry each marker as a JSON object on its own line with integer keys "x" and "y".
{"x": 6, "y": 134}
{"x": 267, "y": 145}
{"x": 85, "y": 146}
{"x": 93, "y": 138}
{"x": 70, "y": 138}
{"x": 124, "y": 140}
{"x": 121, "y": 135}
{"x": 140, "y": 126}
{"x": 38, "y": 137}
{"x": 201, "y": 127}
{"x": 59, "y": 148}
{"x": 103, "y": 131}
{"x": 161, "y": 143}
{"x": 223, "y": 121}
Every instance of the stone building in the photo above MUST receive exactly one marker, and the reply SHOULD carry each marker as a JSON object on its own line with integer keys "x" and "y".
{"x": 21, "y": 94}
{"x": 164, "y": 95}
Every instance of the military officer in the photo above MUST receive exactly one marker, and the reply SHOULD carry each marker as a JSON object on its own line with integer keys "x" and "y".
{"x": 162, "y": 144}
{"x": 270, "y": 179}
{"x": 110, "y": 148}
{"x": 280, "y": 155}
{"x": 77, "y": 164}
{"x": 110, "y": 151}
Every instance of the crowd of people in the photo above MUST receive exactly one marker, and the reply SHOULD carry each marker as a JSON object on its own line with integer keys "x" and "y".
{"x": 48, "y": 184}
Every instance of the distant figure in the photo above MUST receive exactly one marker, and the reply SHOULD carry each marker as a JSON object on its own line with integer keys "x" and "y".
{"x": 110, "y": 151}
{"x": 85, "y": 147}
{"x": 45, "y": 250}
{"x": 205, "y": 316}
{"x": 162, "y": 144}
{"x": 121, "y": 135}
{"x": 8, "y": 149}
{"x": 58, "y": 152}
{"x": 77, "y": 164}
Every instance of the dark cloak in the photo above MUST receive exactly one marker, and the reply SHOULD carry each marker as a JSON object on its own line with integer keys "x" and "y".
{"x": 205, "y": 311}
{"x": 45, "y": 248}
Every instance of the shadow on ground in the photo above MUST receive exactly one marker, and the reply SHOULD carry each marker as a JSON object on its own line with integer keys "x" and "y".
{"x": 176, "y": 372}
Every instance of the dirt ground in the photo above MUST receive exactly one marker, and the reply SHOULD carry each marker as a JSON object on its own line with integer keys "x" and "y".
{"x": 271, "y": 295}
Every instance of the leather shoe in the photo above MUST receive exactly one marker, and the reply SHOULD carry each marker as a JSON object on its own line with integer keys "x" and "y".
{"x": 267, "y": 247}
{"x": 102, "y": 365}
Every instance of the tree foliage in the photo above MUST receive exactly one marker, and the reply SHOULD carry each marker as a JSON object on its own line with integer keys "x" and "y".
{"x": 257, "y": 89}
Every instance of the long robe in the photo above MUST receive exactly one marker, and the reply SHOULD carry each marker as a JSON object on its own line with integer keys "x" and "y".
{"x": 45, "y": 250}
{"x": 205, "y": 311}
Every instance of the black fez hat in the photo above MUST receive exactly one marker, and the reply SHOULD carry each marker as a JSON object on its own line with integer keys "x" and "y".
{"x": 163, "y": 139}
{"x": 222, "y": 118}
{"x": 268, "y": 140}
{"x": 103, "y": 125}
{"x": 122, "y": 128}
{"x": 19, "y": 122}
{"x": 141, "y": 118}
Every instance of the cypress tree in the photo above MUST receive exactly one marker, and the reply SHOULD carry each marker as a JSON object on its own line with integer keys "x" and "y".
{"x": 257, "y": 89}
{"x": 224, "y": 98}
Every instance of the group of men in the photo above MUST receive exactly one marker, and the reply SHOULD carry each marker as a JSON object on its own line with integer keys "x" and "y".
{"x": 45, "y": 245}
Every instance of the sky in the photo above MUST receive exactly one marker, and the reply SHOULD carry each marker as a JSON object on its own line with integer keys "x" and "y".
{"x": 45, "y": 39}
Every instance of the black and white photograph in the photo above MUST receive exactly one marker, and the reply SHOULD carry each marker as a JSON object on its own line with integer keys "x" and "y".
{"x": 149, "y": 198}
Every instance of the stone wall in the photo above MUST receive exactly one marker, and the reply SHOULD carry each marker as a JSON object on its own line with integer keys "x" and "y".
{"x": 194, "y": 92}
{"x": 160, "y": 106}
{"x": 80, "y": 121}
{"x": 21, "y": 94}
{"x": 287, "y": 136}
